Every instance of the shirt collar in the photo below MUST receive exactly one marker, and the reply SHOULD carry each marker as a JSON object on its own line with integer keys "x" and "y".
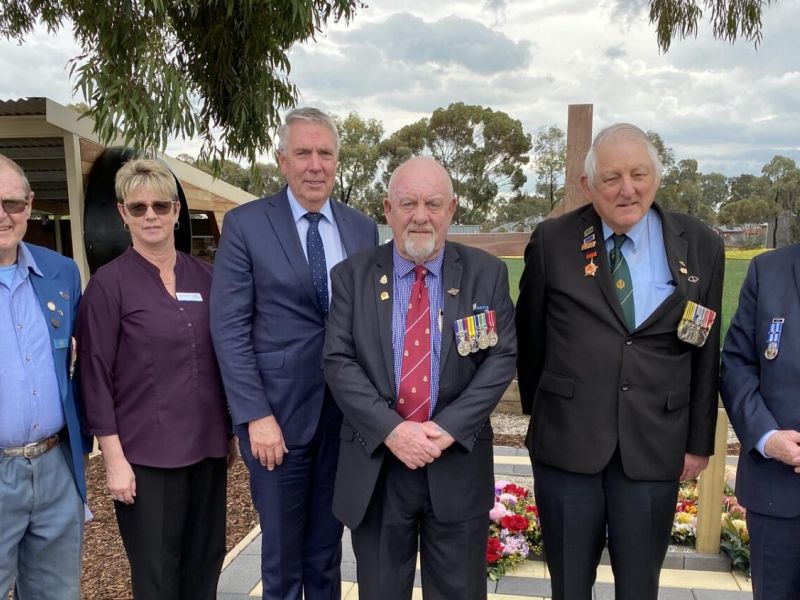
{"x": 25, "y": 260}
{"x": 403, "y": 266}
{"x": 636, "y": 232}
{"x": 298, "y": 212}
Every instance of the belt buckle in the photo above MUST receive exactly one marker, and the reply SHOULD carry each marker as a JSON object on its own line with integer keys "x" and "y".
{"x": 33, "y": 447}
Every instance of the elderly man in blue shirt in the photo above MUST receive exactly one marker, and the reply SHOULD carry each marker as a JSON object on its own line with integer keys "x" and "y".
{"x": 42, "y": 485}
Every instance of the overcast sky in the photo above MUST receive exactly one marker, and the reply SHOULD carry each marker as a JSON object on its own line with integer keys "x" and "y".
{"x": 730, "y": 107}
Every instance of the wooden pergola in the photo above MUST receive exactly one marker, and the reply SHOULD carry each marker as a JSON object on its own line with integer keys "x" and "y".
{"x": 57, "y": 148}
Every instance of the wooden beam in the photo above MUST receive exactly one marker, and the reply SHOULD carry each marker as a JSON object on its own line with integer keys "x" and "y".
{"x": 72, "y": 156}
{"x": 25, "y": 127}
{"x": 709, "y": 496}
{"x": 579, "y": 140}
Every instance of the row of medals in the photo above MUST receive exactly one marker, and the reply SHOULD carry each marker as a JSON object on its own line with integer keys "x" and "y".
{"x": 486, "y": 337}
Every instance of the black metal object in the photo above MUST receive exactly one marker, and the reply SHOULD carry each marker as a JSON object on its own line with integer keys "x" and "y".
{"x": 103, "y": 235}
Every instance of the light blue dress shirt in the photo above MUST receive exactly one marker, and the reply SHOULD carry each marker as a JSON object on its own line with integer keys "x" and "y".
{"x": 403, "y": 282}
{"x": 328, "y": 231}
{"x": 646, "y": 256}
{"x": 30, "y": 401}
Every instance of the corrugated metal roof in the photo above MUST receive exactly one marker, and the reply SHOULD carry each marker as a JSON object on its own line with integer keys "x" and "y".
{"x": 23, "y": 107}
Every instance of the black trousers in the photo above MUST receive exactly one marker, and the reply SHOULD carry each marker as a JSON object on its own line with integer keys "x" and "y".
{"x": 399, "y": 521}
{"x": 774, "y": 556}
{"x": 174, "y": 532}
{"x": 578, "y": 511}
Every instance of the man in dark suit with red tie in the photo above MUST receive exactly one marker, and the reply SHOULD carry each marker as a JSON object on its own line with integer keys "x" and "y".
{"x": 416, "y": 389}
{"x": 618, "y": 329}
{"x": 269, "y": 301}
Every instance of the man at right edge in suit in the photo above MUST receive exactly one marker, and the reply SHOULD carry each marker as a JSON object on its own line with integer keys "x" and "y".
{"x": 618, "y": 332}
{"x": 761, "y": 392}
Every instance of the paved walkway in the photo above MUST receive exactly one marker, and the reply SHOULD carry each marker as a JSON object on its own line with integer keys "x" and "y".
{"x": 241, "y": 575}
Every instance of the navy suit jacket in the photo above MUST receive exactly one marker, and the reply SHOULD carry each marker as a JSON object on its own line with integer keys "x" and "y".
{"x": 266, "y": 323}
{"x": 60, "y": 283}
{"x": 761, "y": 394}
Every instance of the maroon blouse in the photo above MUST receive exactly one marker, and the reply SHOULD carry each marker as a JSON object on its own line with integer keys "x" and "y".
{"x": 147, "y": 366}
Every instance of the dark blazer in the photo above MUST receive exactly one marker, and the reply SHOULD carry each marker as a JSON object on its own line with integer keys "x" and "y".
{"x": 592, "y": 385}
{"x": 60, "y": 283}
{"x": 360, "y": 371}
{"x": 760, "y": 394}
{"x": 266, "y": 323}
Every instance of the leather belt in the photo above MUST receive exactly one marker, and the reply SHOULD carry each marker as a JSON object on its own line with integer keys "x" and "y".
{"x": 33, "y": 449}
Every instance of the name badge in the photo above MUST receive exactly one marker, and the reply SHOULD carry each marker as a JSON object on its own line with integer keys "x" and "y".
{"x": 189, "y": 297}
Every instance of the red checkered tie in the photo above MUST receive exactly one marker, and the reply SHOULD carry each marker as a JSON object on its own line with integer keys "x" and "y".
{"x": 414, "y": 401}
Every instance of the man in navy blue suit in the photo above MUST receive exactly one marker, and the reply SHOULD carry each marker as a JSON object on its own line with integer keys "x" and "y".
{"x": 269, "y": 302}
{"x": 761, "y": 392}
{"x": 42, "y": 486}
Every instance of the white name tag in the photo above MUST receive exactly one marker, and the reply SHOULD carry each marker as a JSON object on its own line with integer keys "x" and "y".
{"x": 189, "y": 296}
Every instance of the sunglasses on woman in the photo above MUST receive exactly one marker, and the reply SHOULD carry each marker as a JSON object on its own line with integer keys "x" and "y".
{"x": 13, "y": 207}
{"x": 160, "y": 207}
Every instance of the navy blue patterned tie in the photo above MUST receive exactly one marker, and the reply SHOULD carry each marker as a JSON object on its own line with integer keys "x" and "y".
{"x": 316, "y": 260}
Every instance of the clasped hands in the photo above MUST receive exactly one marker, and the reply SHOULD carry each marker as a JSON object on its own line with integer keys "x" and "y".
{"x": 418, "y": 444}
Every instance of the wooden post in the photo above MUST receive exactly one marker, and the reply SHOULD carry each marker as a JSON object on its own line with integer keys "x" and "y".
{"x": 72, "y": 161}
{"x": 712, "y": 482}
{"x": 579, "y": 140}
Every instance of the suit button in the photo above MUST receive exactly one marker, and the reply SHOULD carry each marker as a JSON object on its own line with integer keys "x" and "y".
{"x": 625, "y": 386}
{"x": 629, "y": 342}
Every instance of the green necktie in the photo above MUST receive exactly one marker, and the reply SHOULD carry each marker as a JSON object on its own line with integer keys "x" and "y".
{"x": 621, "y": 275}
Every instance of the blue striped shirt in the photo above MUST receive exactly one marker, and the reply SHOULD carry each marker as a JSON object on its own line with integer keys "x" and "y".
{"x": 403, "y": 282}
{"x": 30, "y": 401}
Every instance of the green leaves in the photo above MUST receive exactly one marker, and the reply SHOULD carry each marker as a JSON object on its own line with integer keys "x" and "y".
{"x": 730, "y": 19}
{"x": 155, "y": 69}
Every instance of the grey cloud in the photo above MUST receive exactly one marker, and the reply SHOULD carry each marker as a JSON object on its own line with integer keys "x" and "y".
{"x": 449, "y": 41}
{"x": 615, "y": 52}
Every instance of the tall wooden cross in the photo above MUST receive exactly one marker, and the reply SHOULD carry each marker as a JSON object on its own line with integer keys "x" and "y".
{"x": 579, "y": 139}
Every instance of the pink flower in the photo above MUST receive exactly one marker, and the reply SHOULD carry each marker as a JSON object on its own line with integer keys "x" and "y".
{"x": 498, "y": 512}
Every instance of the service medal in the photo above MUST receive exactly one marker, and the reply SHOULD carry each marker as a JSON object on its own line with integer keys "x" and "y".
{"x": 492, "y": 325}
{"x": 774, "y": 338}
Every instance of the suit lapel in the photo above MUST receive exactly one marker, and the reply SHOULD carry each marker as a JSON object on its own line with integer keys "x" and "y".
{"x": 280, "y": 217}
{"x": 383, "y": 270}
{"x": 345, "y": 227}
{"x": 451, "y": 280}
{"x": 603, "y": 275}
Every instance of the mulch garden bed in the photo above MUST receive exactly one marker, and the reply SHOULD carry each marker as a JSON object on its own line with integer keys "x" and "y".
{"x": 105, "y": 573}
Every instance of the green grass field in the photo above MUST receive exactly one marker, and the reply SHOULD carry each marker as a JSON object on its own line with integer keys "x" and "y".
{"x": 735, "y": 271}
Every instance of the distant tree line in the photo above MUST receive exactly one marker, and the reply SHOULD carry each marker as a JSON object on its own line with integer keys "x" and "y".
{"x": 487, "y": 153}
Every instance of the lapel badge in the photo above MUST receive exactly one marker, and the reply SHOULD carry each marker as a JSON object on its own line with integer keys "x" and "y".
{"x": 64, "y": 295}
{"x": 383, "y": 280}
{"x": 588, "y": 231}
{"x": 682, "y": 268}
{"x": 56, "y": 323}
{"x": 384, "y": 295}
{"x": 453, "y": 291}
{"x": 693, "y": 278}
{"x": 51, "y": 305}
{"x": 60, "y": 312}
{"x": 588, "y": 242}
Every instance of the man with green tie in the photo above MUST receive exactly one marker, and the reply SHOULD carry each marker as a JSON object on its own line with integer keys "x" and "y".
{"x": 618, "y": 332}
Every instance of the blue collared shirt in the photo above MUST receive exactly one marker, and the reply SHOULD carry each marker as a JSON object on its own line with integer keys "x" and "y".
{"x": 30, "y": 401}
{"x": 328, "y": 231}
{"x": 403, "y": 282}
{"x": 646, "y": 256}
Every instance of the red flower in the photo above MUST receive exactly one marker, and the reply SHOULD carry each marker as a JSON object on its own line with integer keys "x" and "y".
{"x": 514, "y": 523}
{"x": 519, "y": 492}
{"x": 531, "y": 508}
{"x": 494, "y": 550}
